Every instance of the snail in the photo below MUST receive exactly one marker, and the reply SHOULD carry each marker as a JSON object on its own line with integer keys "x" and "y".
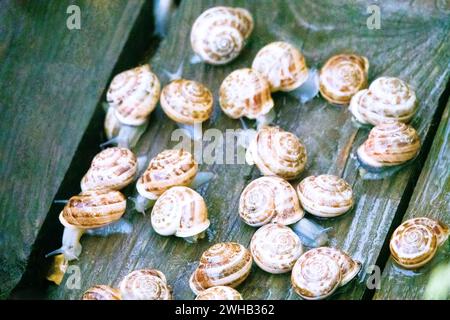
{"x": 145, "y": 284}
{"x": 320, "y": 271}
{"x": 284, "y": 67}
{"x": 101, "y": 292}
{"x": 342, "y": 76}
{"x": 132, "y": 96}
{"x": 182, "y": 212}
{"x": 387, "y": 99}
{"x": 275, "y": 248}
{"x": 219, "y": 293}
{"x": 273, "y": 200}
{"x": 188, "y": 103}
{"x": 219, "y": 34}
{"x": 415, "y": 241}
{"x": 168, "y": 169}
{"x": 223, "y": 264}
{"x": 325, "y": 195}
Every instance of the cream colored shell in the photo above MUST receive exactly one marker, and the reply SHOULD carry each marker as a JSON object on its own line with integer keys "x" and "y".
{"x": 168, "y": 169}
{"x": 219, "y": 293}
{"x": 145, "y": 284}
{"x": 134, "y": 94}
{"x": 283, "y": 65}
{"x": 275, "y": 248}
{"x": 277, "y": 152}
{"x": 223, "y": 264}
{"x": 269, "y": 199}
{"x": 245, "y": 93}
{"x": 386, "y": 99}
{"x": 389, "y": 144}
{"x": 219, "y": 34}
{"x": 342, "y": 76}
{"x": 325, "y": 195}
{"x": 415, "y": 241}
{"x": 101, "y": 292}
{"x": 112, "y": 168}
{"x": 187, "y": 101}
{"x": 180, "y": 211}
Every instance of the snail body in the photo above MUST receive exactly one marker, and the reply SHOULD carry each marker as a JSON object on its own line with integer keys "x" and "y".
{"x": 101, "y": 292}
{"x": 219, "y": 293}
{"x": 145, "y": 284}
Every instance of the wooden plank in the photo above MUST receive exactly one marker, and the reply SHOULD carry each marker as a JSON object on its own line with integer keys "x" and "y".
{"x": 410, "y": 45}
{"x": 51, "y": 79}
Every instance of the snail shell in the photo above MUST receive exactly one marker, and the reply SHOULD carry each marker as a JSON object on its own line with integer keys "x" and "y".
{"x": 134, "y": 94}
{"x": 416, "y": 240}
{"x": 277, "y": 152}
{"x": 101, "y": 292}
{"x": 386, "y": 99}
{"x": 282, "y": 65}
{"x": 342, "y": 76}
{"x": 223, "y": 264}
{"x": 219, "y": 34}
{"x": 180, "y": 211}
{"x": 245, "y": 92}
{"x": 349, "y": 267}
{"x": 168, "y": 169}
{"x": 269, "y": 199}
{"x": 389, "y": 144}
{"x": 187, "y": 101}
{"x": 145, "y": 284}
{"x": 325, "y": 195}
{"x": 219, "y": 293}
{"x": 112, "y": 168}
{"x": 275, "y": 248}
{"x": 93, "y": 209}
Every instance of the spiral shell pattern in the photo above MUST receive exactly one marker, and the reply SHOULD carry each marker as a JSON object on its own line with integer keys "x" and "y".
{"x": 277, "y": 152}
{"x": 275, "y": 248}
{"x": 112, "y": 168}
{"x": 245, "y": 92}
{"x": 269, "y": 199}
{"x": 187, "y": 101}
{"x": 101, "y": 292}
{"x": 389, "y": 144}
{"x": 145, "y": 284}
{"x": 387, "y": 99}
{"x": 219, "y": 34}
{"x": 343, "y": 76}
{"x": 223, "y": 264}
{"x": 283, "y": 65}
{"x": 168, "y": 169}
{"x": 325, "y": 195}
{"x": 219, "y": 293}
{"x": 134, "y": 94}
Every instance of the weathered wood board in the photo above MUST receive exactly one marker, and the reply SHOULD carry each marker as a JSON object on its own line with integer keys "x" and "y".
{"x": 51, "y": 79}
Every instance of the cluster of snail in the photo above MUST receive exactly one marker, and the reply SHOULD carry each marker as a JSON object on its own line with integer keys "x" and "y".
{"x": 270, "y": 202}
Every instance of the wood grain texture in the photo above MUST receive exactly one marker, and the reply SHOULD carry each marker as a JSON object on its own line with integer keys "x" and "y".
{"x": 413, "y": 44}
{"x": 51, "y": 79}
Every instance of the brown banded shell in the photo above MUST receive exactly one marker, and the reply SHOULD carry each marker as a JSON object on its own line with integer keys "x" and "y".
{"x": 387, "y": 99}
{"x": 112, "y": 168}
{"x": 275, "y": 248}
{"x": 342, "y": 76}
{"x": 219, "y": 34}
{"x": 325, "y": 195}
{"x": 134, "y": 94}
{"x": 187, "y": 101}
{"x": 168, "y": 169}
{"x": 145, "y": 284}
{"x": 223, "y": 264}
{"x": 283, "y": 65}
{"x": 245, "y": 93}
{"x": 219, "y": 293}
{"x": 269, "y": 199}
{"x": 180, "y": 211}
{"x": 101, "y": 292}
{"x": 389, "y": 144}
{"x": 277, "y": 153}
{"x": 93, "y": 209}
{"x": 415, "y": 241}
